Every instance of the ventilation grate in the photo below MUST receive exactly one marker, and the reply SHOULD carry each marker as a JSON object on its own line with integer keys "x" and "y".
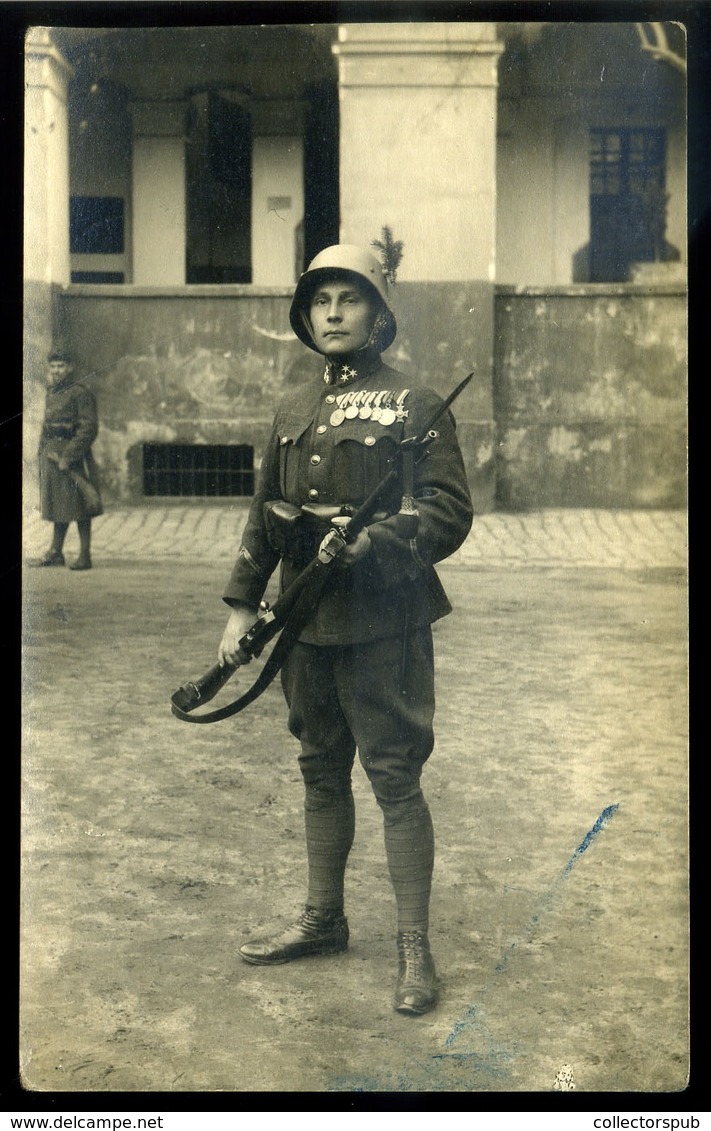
{"x": 198, "y": 470}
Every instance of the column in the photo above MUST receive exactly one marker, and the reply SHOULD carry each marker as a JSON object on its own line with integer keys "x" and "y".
{"x": 46, "y": 184}
{"x": 158, "y": 193}
{"x": 46, "y": 226}
{"x": 418, "y": 143}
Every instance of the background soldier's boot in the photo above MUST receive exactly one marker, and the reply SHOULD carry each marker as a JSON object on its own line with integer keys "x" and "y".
{"x": 314, "y": 932}
{"x": 51, "y": 558}
{"x": 416, "y": 990}
{"x": 84, "y": 559}
{"x": 54, "y": 555}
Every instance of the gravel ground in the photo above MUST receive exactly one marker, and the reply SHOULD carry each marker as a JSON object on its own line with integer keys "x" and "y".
{"x": 151, "y": 848}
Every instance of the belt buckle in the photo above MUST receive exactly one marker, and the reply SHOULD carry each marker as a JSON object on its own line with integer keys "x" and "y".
{"x": 331, "y": 546}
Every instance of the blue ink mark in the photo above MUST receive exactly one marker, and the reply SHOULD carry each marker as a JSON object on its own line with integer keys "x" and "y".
{"x": 606, "y": 815}
{"x": 464, "y": 1022}
{"x": 440, "y": 1072}
{"x": 494, "y": 1065}
{"x": 544, "y": 904}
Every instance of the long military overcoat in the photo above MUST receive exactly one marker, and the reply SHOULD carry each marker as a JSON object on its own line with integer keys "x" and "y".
{"x": 69, "y": 429}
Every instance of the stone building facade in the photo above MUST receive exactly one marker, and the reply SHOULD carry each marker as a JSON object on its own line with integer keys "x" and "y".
{"x": 179, "y": 179}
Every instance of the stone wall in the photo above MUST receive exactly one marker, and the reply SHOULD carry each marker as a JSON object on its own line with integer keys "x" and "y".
{"x": 590, "y": 397}
{"x": 208, "y": 365}
{"x": 579, "y": 397}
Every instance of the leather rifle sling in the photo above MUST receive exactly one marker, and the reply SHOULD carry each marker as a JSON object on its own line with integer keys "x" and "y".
{"x": 302, "y": 610}
{"x": 309, "y": 595}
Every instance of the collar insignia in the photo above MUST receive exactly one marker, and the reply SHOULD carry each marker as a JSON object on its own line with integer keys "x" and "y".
{"x": 344, "y": 374}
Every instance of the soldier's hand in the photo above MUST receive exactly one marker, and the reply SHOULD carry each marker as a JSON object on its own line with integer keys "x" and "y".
{"x": 59, "y": 460}
{"x": 229, "y": 652}
{"x": 355, "y": 551}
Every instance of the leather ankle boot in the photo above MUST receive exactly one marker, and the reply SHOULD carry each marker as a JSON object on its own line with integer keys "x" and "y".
{"x": 51, "y": 558}
{"x": 416, "y": 990}
{"x": 314, "y": 932}
{"x": 82, "y": 562}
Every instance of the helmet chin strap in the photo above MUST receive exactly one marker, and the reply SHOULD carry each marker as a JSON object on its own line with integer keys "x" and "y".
{"x": 379, "y": 326}
{"x": 307, "y": 325}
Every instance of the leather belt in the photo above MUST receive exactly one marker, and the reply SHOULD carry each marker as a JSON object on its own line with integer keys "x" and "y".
{"x": 58, "y": 431}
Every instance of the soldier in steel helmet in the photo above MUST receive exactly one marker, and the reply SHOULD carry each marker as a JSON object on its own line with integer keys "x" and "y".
{"x": 361, "y": 675}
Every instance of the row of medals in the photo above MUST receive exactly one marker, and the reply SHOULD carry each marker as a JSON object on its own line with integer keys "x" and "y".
{"x": 370, "y": 406}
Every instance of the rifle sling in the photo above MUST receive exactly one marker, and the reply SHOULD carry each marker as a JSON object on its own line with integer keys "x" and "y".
{"x": 308, "y": 597}
{"x": 299, "y": 615}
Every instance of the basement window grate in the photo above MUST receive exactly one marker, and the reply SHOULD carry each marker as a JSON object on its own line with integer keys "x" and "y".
{"x": 198, "y": 470}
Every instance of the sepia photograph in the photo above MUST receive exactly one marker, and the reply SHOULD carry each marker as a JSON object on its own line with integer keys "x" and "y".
{"x": 354, "y": 739}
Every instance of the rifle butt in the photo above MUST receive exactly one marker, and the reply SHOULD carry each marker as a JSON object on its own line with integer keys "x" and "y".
{"x": 196, "y": 692}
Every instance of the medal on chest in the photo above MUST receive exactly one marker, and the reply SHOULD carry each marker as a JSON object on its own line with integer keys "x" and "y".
{"x": 383, "y": 406}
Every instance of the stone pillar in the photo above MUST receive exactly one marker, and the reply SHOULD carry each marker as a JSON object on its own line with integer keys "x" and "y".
{"x": 47, "y": 75}
{"x": 418, "y": 154}
{"x": 418, "y": 143}
{"x": 46, "y": 224}
{"x": 158, "y": 193}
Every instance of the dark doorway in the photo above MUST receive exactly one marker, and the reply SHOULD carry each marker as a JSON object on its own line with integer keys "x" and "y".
{"x": 321, "y": 170}
{"x": 219, "y": 190}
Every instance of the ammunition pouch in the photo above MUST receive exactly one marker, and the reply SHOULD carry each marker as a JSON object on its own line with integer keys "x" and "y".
{"x": 295, "y": 533}
{"x": 290, "y": 534}
{"x": 284, "y": 526}
{"x": 321, "y": 514}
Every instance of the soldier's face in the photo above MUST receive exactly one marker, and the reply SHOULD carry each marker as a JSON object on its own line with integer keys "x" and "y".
{"x": 57, "y": 371}
{"x": 342, "y": 316}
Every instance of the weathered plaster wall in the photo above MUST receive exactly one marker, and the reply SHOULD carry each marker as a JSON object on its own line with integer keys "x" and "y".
{"x": 580, "y": 400}
{"x": 445, "y": 330}
{"x": 180, "y": 367}
{"x": 590, "y": 397}
{"x": 208, "y": 365}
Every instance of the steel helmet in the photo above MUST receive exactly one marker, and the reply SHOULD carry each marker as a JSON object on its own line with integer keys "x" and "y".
{"x": 347, "y": 259}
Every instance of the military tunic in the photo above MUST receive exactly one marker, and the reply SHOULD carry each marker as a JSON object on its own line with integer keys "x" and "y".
{"x": 332, "y": 446}
{"x": 361, "y": 675}
{"x": 69, "y": 429}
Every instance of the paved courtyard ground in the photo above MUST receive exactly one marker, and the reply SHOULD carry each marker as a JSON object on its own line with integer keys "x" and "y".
{"x": 558, "y": 788}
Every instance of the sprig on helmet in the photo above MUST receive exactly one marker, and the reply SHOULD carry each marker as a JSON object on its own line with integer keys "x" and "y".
{"x": 390, "y": 251}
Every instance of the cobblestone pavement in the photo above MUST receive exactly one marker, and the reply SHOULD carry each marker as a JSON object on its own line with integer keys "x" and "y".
{"x": 572, "y": 538}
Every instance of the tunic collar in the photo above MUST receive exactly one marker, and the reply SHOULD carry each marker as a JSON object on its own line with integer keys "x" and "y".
{"x": 351, "y": 367}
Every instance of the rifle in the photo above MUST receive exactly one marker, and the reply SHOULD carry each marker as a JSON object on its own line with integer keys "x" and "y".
{"x": 87, "y": 490}
{"x": 294, "y": 606}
